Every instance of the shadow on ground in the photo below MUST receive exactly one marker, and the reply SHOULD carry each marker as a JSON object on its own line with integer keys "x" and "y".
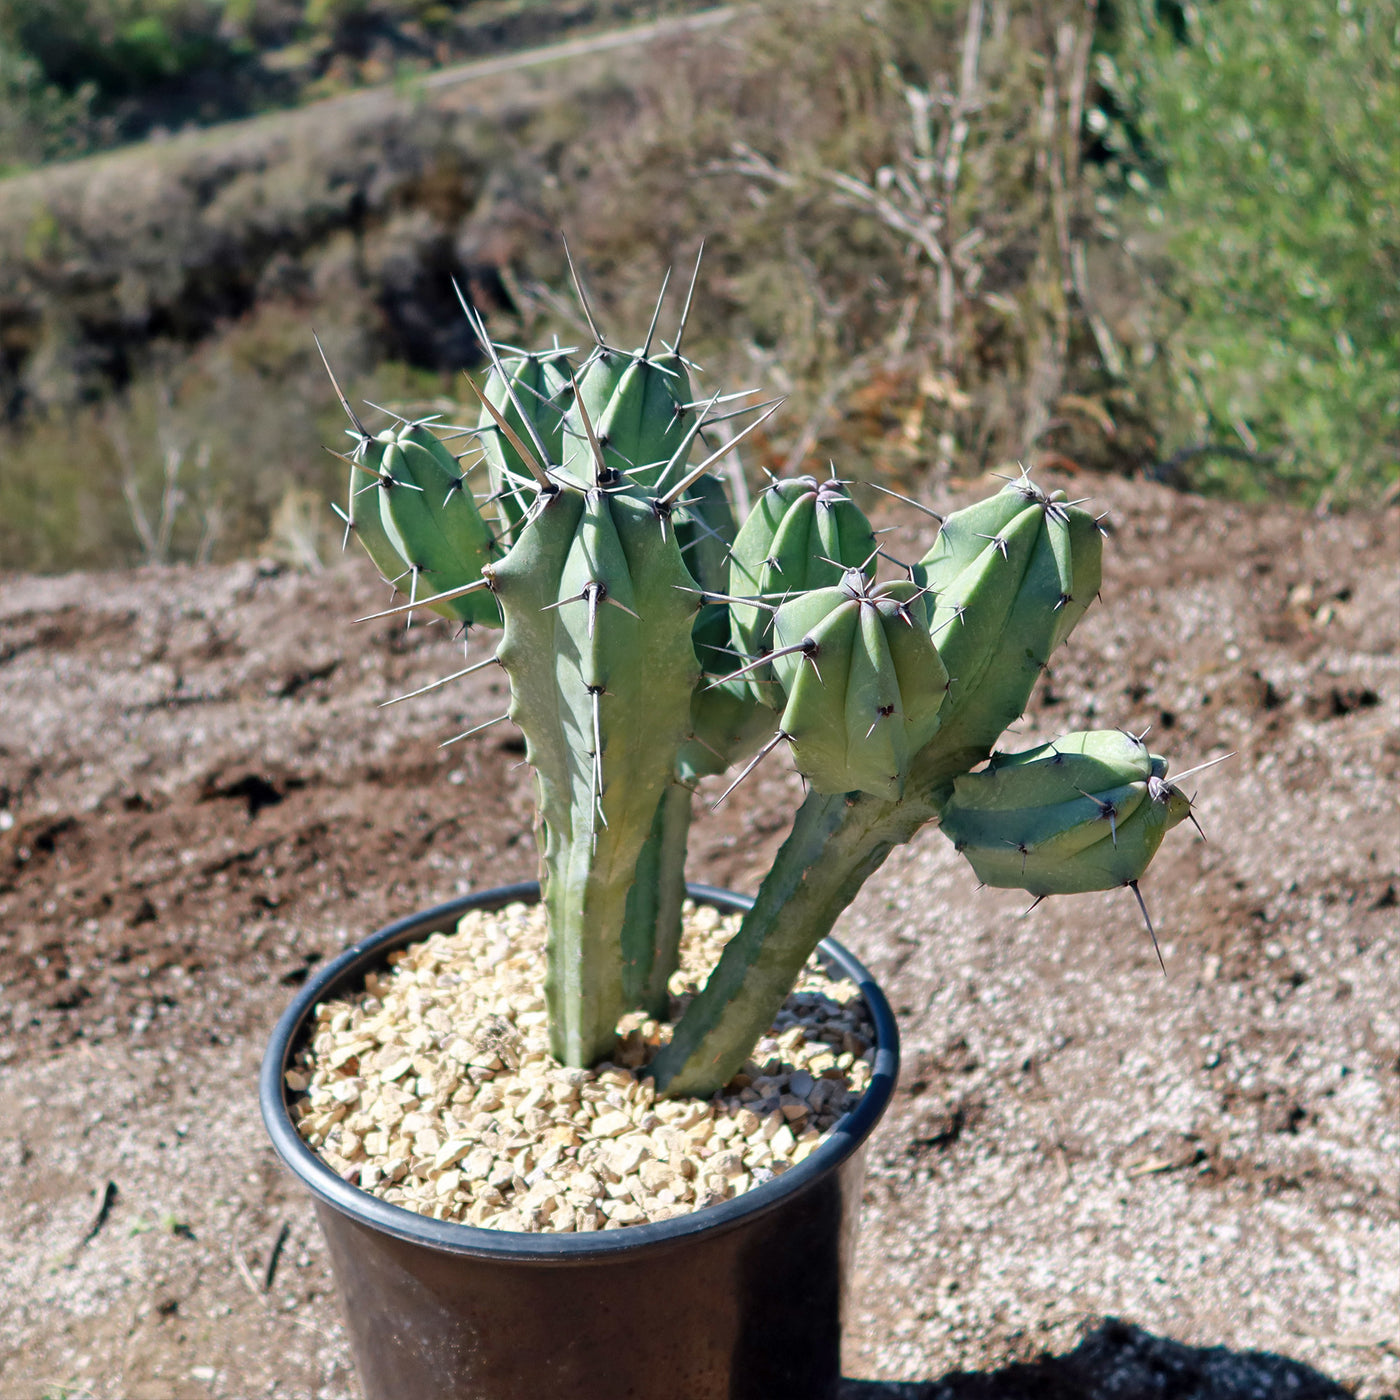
{"x": 1117, "y": 1361}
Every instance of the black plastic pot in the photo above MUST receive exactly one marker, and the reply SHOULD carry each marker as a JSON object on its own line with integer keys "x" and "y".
{"x": 739, "y": 1301}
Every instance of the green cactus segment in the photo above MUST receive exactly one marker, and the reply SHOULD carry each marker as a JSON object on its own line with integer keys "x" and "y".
{"x": 535, "y": 387}
{"x": 1084, "y": 812}
{"x": 651, "y": 934}
{"x": 801, "y": 534}
{"x": 1001, "y": 572}
{"x": 837, "y": 843}
{"x": 638, "y": 406}
{"x": 598, "y": 609}
{"x": 363, "y": 511}
{"x": 864, "y": 684}
{"x": 431, "y": 519}
{"x": 1079, "y": 555}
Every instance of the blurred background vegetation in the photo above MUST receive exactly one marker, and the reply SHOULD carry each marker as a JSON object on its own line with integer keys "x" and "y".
{"x": 1136, "y": 235}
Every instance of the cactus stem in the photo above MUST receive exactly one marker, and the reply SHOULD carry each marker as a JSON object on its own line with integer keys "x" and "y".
{"x": 344, "y": 402}
{"x": 689, "y": 299}
{"x": 457, "y": 738}
{"x": 433, "y": 685}
{"x": 656, "y": 315}
{"x": 582, "y": 299}
{"x": 908, "y": 501}
{"x": 425, "y": 602}
{"x": 751, "y": 765}
{"x": 1147, "y": 919}
{"x": 694, "y": 475}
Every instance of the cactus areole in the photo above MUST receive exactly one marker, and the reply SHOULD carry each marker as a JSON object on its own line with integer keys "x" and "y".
{"x": 650, "y": 643}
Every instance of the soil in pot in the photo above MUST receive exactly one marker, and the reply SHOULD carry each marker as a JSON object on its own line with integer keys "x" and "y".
{"x": 434, "y": 1088}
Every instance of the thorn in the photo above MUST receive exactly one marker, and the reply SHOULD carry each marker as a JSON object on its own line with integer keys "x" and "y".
{"x": 883, "y": 712}
{"x": 751, "y": 765}
{"x": 1107, "y": 811}
{"x": 806, "y": 646}
{"x": 597, "y": 809}
{"x": 707, "y": 597}
{"x": 683, "y": 450}
{"x": 689, "y": 297}
{"x": 1142, "y": 904}
{"x": 428, "y": 602}
{"x": 1209, "y": 763}
{"x": 433, "y": 685}
{"x": 349, "y": 525}
{"x": 484, "y": 339}
{"x": 600, "y": 465}
{"x": 397, "y": 417}
{"x": 582, "y": 299}
{"x": 908, "y": 500}
{"x": 526, "y": 455}
{"x": 456, "y": 738}
{"x": 684, "y": 484}
{"x": 996, "y": 540}
{"x": 1038, "y": 899}
{"x": 344, "y": 402}
{"x": 623, "y": 606}
{"x": 358, "y": 465}
{"x": 651, "y": 329}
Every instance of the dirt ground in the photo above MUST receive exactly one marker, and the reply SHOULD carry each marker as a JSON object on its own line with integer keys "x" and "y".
{"x": 199, "y": 801}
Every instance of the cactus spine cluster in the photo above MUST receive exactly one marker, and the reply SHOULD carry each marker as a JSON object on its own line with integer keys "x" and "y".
{"x": 649, "y": 643}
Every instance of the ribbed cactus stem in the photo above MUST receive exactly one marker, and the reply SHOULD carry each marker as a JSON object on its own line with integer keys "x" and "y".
{"x": 651, "y": 935}
{"x": 837, "y": 842}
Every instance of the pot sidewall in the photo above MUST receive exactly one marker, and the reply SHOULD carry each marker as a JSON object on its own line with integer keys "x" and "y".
{"x": 739, "y": 1301}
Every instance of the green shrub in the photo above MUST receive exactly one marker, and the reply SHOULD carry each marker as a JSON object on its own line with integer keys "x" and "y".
{"x": 1256, "y": 149}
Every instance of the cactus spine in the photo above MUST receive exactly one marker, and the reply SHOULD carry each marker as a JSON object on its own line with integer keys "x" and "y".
{"x": 649, "y": 644}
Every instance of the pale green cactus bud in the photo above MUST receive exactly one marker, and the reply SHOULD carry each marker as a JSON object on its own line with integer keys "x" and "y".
{"x": 362, "y": 514}
{"x": 1011, "y": 576}
{"x": 1086, "y": 811}
{"x": 863, "y": 683}
{"x": 801, "y": 534}
{"x": 639, "y": 407}
{"x": 431, "y": 519}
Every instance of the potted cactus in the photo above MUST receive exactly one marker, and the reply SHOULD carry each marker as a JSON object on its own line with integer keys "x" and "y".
{"x": 649, "y": 642}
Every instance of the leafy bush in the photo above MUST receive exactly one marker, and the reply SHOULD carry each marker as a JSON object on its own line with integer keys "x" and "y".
{"x": 1257, "y": 180}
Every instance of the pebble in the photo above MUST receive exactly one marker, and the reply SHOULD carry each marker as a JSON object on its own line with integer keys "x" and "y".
{"x": 435, "y": 1090}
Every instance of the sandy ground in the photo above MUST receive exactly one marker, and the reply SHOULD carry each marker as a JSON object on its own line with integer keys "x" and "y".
{"x": 200, "y": 801}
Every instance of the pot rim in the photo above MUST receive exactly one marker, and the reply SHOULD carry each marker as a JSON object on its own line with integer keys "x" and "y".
{"x": 452, "y": 1237}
